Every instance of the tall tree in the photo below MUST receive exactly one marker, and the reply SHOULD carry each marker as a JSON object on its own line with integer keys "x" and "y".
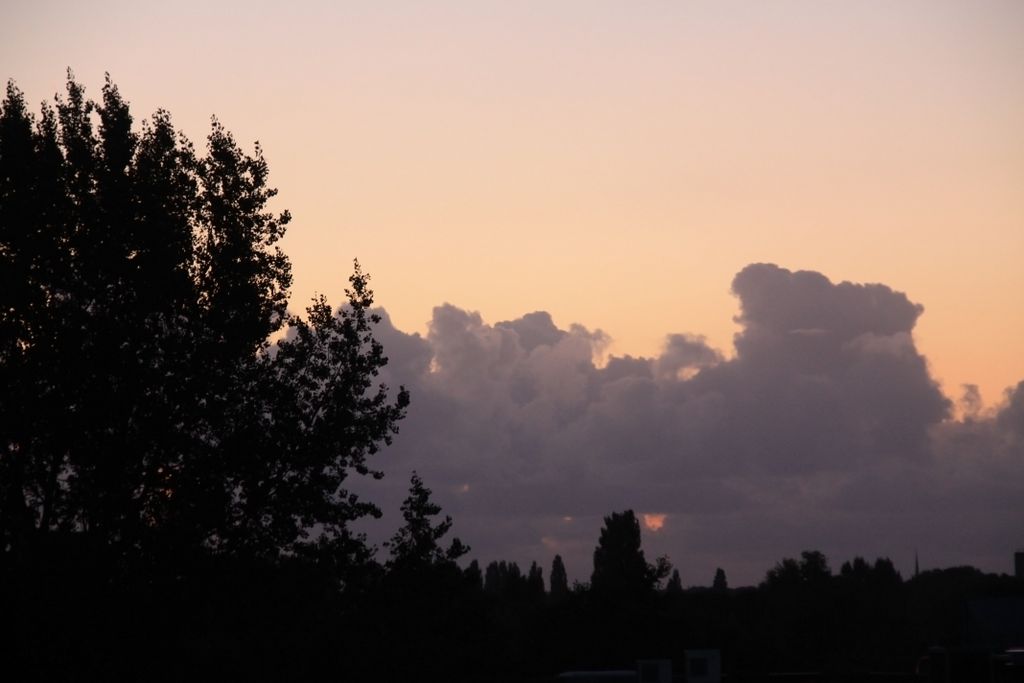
{"x": 504, "y": 579}
{"x": 814, "y": 567}
{"x": 535, "y": 581}
{"x": 620, "y": 569}
{"x": 145, "y": 408}
{"x": 719, "y": 583}
{"x": 474, "y": 577}
{"x": 675, "y": 583}
{"x": 811, "y": 570}
{"x": 559, "y": 580}
{"x": 416, "y": 545}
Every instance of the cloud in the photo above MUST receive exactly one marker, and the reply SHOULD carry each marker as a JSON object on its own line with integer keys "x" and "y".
{"x": 684, "y": 355}
{"x": 824, "y": 430}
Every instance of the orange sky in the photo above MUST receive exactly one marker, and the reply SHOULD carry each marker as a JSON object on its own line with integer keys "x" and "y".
{"x": 613, "y": 163}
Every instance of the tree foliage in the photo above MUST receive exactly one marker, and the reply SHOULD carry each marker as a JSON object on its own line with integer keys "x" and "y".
{"x": 859, "y": 572}
{"x": 719, "y": 583}
{"x": 416, "y": 545}
{"x": 675, "y": 583}
{"x": 620, "y": 568}
{"x": 812, "y": 569}
{"x": 505, "y": 579}
{"x": 535, "y": 581}
{"x": 559, "y": 580}
{"x": 145, "y": 407}
{"x": 474, "y": 577}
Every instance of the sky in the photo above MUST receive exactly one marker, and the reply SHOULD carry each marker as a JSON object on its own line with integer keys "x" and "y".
{"x": 568, "y": 210}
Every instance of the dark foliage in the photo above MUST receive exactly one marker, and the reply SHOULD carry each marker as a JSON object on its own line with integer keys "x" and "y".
{"x": 147, "y": 413}
{"x": 675, "y": 584}
{"x": 719, "y": 583}
{"x": 415, "y": 547}
{"x": 504, "y": 579}
{"x": 559, "y": 588}
{"x": 167, "y": 473}
{"x": 535, "y": 581}
{"x": 620, "y": 569}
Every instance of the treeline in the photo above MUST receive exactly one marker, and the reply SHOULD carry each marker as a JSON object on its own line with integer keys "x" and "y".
{"x": 445, "y": 623}
{"x": 418, "y": 615}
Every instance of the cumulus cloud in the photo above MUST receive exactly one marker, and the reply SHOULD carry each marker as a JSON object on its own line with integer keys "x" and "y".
{"x": 684, "y": 355}
{"x": 824, "y": 430}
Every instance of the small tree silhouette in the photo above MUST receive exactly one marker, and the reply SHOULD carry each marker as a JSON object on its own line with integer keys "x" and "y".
{"x": 675, "y": 584}
{"x": 719, "y": 583}
{"x": 535, "y": 581}
{"x": 620, "y": 569}
{"x": 416, "y": 545}
{"x": 559, "y": 588}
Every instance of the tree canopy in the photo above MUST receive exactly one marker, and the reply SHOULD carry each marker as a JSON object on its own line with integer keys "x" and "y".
{"x": 620, "y": 568}
{"x": 416, "y": 545}
{"x": 675, "y": 583}
{"x": 812, "y": 569}
{"x": 559, "y": 580}
{"x": 145, "y": 406}
{"x": 719, "y": 583}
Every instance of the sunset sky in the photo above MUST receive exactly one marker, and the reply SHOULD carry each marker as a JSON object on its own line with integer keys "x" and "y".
{"x": 617, "y": 165}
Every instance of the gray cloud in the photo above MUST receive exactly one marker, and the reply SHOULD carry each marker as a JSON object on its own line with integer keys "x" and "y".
{"x": 824, "y": 430}
{"x": 684, "y": 355}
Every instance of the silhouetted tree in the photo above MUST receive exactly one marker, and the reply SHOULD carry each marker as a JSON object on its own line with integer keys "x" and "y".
{"x": 559, "y": 580}
{"x": 535, "y": 581}
{"x": 885, "y": 572}
{"x": 504, "y": 579}
{"x": 812, "y": 569}
{"x": 492, "y": 578}
{"x": 675, "y": 584}
{"x": 425, "y": 589}
{"x": 415, "y": 546}
{"x": 719, "y": 583}
{"x": 620, "y": 568}
{"x": 857, "y": 569}
{"x": 879, "y": 580}
{"x": 474, "y": 577}
{"x": 145, "y": 410}
{"x": 785, "y": 573}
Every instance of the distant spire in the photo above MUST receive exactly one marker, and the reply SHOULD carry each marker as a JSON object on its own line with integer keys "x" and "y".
{"x": 917, "y": 567}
